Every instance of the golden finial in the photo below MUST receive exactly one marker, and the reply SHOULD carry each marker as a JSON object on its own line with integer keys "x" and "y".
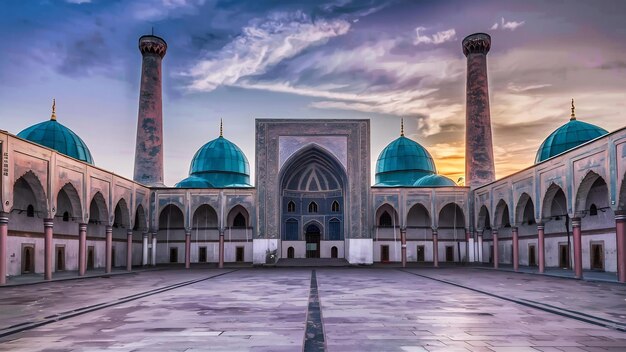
{"x": 54, "y": 114}
{"x": 402, "y": 127}
{"x": 221, "y": 129}
{"x": 573, "y": 115}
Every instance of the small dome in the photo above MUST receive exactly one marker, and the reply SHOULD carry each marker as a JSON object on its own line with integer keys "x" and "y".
{"x": 402, "y": 163}
{"x": 434, "y": 181}
{"x": 218, "y": 164}
{"x": 566, "y": 137}
{"x": 54, "y": 135}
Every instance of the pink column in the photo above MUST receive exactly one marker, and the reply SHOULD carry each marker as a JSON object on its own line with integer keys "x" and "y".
{"x": 515, "y": 249}
{"x": 578, "y": 252}
{"x": 129, "y": 250}
{"x": 4, "y": 233}
{"x": 435, "y": 249}
{"x": 82, "y": 249}
{"x": 479, "y": 255}
{"x": 540, "y": 247}
{"x": 109, "y": 248}
{"x": 221, "y": 250}
{"x": 187, "y": 249}
{"x": 494, "y": 234}
{"x": 468, "y": 235}
{"x": 620, "y": 240}
{"x": 403, "y": 242}
{"x": 48, "y": 225}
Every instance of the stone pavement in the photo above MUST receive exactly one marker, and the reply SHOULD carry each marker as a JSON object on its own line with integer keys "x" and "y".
{"x": 266, "y": 309}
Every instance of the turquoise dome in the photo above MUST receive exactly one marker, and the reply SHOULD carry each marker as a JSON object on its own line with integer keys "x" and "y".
{"x": 566, "y": 137}
{"x": 218, "y": 164}
{"x": 54, "y": 135}
{"x": 402, "y": 163}
{"x": 434, "y": 181}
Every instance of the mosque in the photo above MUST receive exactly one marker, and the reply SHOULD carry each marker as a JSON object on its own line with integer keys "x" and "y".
{"x": 312, "y": 196}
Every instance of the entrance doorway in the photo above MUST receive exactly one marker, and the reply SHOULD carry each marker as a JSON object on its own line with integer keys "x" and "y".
{"x": 202, "y": 255}
{"x": 28, "y": 259}
{"x": 334, "y": 252}
{"x": 173, "y": 254}
{"x": 420, "y": 253}
{"x": 384, "y": 254}
{"x": 563, "y": 255}
{"x": 597, "y": 256}
{"x": 532, "y": 260}
{"x": 90, "y": 257}
{"x": 290, "y": 253}
{"x": 60, "y": 257}
{"x": 449, "y": 253}
{"x": 312, "y": 236}
{"x": 239, "y": 254}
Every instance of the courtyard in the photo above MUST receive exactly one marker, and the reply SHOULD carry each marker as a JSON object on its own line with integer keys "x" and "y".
{"x": 325, "y": 308}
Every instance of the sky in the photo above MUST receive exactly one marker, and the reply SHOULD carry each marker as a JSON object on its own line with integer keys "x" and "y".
{"x": 379, "y": 60}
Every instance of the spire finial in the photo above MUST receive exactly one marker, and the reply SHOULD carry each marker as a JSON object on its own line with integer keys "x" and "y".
{"x": 54, "y": 114}
{"x": 221, "y": 129}
{"x": 573, "y": 115}
{"x": 402, "y": 127}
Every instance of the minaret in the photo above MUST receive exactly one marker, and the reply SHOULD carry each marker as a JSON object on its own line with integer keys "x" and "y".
{"x": 479, "y": 166}
{"x": 149, "y": 147}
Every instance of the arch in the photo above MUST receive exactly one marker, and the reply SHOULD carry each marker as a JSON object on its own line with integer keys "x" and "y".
{"x": 334, "y": 229}
{"x": 313, "y": 207}
{"x": 591, "y": 183}
{"x": 334, "y": 252}
{"x": 238, "y": 217}
{"x": 291, "y": 207}
{"x": 593, "y": 210}
{"x": 386, "y": 216}
{"x": 451, "y": 216}
{"x": 554, "y": 203}
{"x": 525, "y": 210}
{"x": 204, "y": 217}
{"x": 418, "y": 216}
{"x": 291, "y": 253}
{"x": 335, "y": 208}
{"x": 140, "y": 219}
{"x": 621, "y": 203}
{"x": 98, "y": 212}
{"x": 30, "y": 211}
{"x": 121, "y": 214}
{"x": 313, "y": 168}
{"x": 484, "y": 220}
{"x": 171, "y": 217}
{"x": 315, "y": 223}
{"x": 68, "y": 201}
{"x": 501, "y": 216}
{"x": 27, "y": 190}
{"x": 292, "y": 230}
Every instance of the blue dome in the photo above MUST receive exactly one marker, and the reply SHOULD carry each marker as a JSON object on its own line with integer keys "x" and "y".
{"x": 54, "y": 135}
{"x": 434, "y": 181}
{"x": 566, "y": 137}
{"x": 402, "y": 163}
{"x": 218, "y": 164}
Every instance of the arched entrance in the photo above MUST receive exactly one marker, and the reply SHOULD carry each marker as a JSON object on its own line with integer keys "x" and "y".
{"x": 313, "y": 235}
{"x": 313, "y": 186}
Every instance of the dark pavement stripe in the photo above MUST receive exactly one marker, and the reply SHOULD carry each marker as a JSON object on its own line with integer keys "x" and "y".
{"x": 314, "y": 334}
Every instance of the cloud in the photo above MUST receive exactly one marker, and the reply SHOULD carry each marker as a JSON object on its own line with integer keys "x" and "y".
{"x": 437, "y": 38}
{"x": 78, "y": 1}
{"x": 518, "y": 89}
{"x": 152, "y": 10}
{"x": 262, "y": 45}
{"x": 510, "y": 25}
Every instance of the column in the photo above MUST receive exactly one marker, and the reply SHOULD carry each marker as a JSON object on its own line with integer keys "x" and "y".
{"x": 578, "y": 253}
{"x": 515, "y": 249}
{"x": 471, "y": 248}
{"x": 620, "y": 240}
{"x": 109, "y": 248}
{"x": 48, "y": 226}
{"x": 154, "y": 249}
{"x": 221, "y": 249}
{"x": 403, "y": 242}
{"x": 494, "y": 234}
{"x": 4, "y": 233}
{"x": 144, "y": 248}
{"x": 435, "y": 249}
{"x": 541, "y": 240}
{"x": 129, "y": 250}
{"x": 480, "y": 247}
{"x": 82, "y": 249}
{"x": 467, "y": 246}
{"x": 187, "y": 249}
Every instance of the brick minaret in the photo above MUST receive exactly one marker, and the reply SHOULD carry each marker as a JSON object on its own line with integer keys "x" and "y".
{"x": 479, "y": 166}
{"x": 149, "y": 148}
